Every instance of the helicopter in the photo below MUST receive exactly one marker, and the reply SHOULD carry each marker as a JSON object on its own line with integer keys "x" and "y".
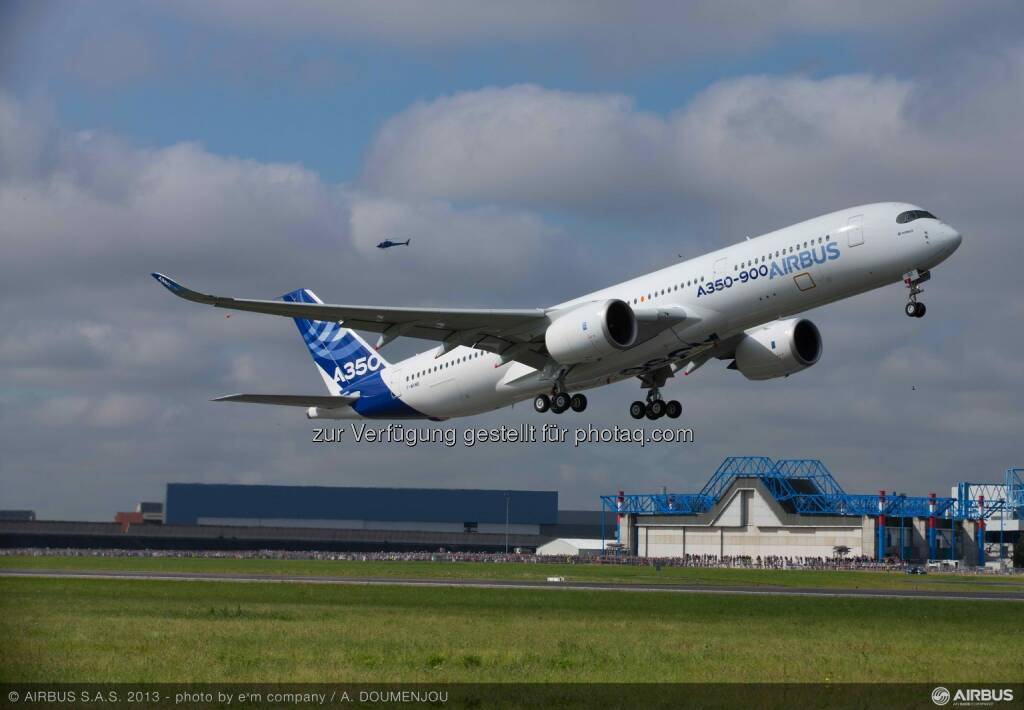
{"x": 387, "y": 244}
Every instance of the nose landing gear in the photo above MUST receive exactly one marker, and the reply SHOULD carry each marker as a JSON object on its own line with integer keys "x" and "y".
{"x": 913, "y": 281}
{"x": 915, "y": 309}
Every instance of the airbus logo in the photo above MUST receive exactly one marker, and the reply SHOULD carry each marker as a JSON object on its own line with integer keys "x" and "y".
{"x": 168, "y": 283}
{"x": 804, "y": 259}
{"x": 791, "y": 263}
{"x": 972, "y": 696}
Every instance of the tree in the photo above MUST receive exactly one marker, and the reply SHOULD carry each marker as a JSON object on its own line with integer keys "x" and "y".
{"x": 841, "y": 550}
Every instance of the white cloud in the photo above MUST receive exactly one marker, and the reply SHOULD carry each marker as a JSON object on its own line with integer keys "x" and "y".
{"x": 99, "y": 212}
{"x": 609, "y": 30}
{"x": 915, "y": 364}
{"x": 829, "y": 143}
{"x": 524, "y": 145}
{"x": 455, "y": 241}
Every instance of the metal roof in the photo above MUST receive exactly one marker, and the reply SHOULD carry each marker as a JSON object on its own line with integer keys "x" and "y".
{"x": 806, "y": 486}
{"x": 189, "y": 502}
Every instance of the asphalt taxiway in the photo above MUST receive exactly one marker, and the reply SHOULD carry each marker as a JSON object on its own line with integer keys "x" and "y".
{"x": 962, "y": 595}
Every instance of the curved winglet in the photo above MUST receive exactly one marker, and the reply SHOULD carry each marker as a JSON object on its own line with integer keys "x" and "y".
{"x": 181, "y": 292}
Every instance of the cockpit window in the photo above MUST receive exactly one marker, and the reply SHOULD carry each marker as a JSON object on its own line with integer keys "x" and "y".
{"x": 910, "y": 216}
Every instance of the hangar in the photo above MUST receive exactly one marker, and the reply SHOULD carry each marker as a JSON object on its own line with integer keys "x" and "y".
{"x": 753, "y": 507}
{"x": 359, "y": 508}
{"x": 326, "y": 518}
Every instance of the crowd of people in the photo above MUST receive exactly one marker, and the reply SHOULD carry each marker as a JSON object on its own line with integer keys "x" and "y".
{"x": 609, "y": 558}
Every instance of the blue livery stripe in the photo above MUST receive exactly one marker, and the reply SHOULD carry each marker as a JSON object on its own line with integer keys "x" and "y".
{"x": 348, "y": 365}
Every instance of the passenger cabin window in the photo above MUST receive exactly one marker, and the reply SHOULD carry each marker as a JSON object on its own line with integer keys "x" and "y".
{"x": 911, "y": 215}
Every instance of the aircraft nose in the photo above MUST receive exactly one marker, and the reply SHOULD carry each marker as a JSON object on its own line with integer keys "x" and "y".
{"x": 951, "y": 239}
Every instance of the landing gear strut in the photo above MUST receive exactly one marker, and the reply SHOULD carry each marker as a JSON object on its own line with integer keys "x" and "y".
{"x": 913, "y": 281}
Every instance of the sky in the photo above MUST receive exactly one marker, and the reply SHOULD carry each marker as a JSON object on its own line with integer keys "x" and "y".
{"x": 533, "y": 151}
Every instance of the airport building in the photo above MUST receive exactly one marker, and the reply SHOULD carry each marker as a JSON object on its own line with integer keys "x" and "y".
{"x": 415, "y": 509}
{"x": 750, "y": 507}
{"x": 755, "y": 507}
{"x": 325, "y": 518}
{"x": 19, "y": 515}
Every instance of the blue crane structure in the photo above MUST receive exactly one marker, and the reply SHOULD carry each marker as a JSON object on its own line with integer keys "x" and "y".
{"x": 806, "y": 487}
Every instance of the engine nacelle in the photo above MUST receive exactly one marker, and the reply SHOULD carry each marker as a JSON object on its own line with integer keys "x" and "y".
{"x": 591, "y": 331}
{"x": 778, "y": 349}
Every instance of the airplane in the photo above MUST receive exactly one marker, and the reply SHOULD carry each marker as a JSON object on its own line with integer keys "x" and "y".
{"x": 387, "y": 244}
{"x": 739, "y": 304}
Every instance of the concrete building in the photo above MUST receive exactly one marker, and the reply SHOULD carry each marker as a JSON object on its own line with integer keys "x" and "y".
{"x": 151, "y": 511}
{"x": 749, "y": 521}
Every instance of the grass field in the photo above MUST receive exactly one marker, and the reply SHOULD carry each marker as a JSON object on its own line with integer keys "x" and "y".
{"x": 209, "y": 631}
{"x": 509, "y": 571}
{"x": 122, "y": 630}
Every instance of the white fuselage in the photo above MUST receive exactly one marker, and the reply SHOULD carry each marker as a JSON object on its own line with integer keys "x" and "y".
{"x": 723, "y": 293}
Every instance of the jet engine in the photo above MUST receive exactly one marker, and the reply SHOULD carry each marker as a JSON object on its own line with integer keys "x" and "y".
{"x": 592, "y": 331}
{"x": 778, "y": 349}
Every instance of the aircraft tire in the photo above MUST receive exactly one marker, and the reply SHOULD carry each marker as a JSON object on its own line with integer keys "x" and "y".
{"x": 578, "y": 402}
{"x": 637, "y": 410}
{"x": 673, "y": 409}
{"x": 541, "y": 403}
{"x": 560, "y": 402}
{"x": 655, "y": 409}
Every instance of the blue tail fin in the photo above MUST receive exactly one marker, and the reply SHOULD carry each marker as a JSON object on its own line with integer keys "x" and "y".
{"x": 341, "y": 356}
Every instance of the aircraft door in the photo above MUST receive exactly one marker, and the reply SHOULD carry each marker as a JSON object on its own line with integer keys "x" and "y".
{"x": 448, "y": 397}
{"x": 398, "y": 384}
{"x": 855, "y": 231}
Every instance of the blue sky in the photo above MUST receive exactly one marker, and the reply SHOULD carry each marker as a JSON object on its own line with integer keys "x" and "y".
{"x": 533, "y": 151}
{"x": 158, "y": 78}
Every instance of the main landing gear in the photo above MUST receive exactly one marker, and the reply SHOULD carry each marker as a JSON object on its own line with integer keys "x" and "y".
{"x": 913, "y": 281}
{"x": 656, "y": 407}
{"x": 560, "y": 402}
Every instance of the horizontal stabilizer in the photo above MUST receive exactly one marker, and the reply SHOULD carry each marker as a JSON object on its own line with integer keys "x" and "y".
{"x": 292, "y": 400}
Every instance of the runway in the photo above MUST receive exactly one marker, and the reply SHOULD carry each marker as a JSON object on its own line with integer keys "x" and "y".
{"x": 521, "y": 584}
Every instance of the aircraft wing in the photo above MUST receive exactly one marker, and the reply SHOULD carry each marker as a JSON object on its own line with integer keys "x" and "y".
{"x": 495, "y": 330}
{"x": 291, "y": 400}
